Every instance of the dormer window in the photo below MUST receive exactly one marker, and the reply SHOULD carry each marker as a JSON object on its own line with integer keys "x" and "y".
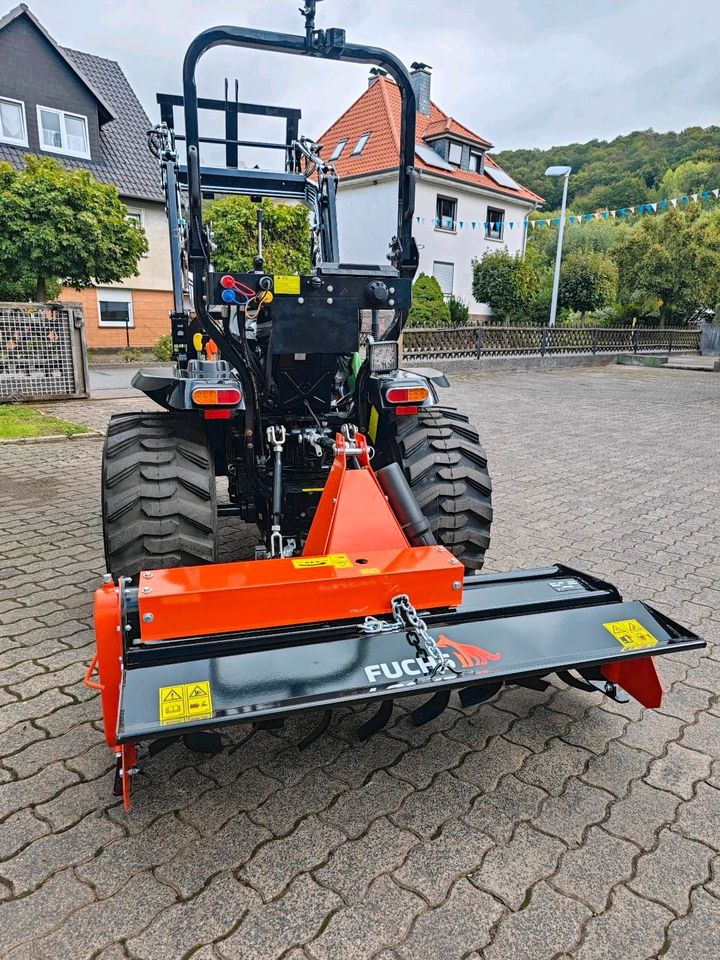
{"x": 12, "y": 122}
{"x": 339, "y": 147}
{"x": 62, "y": 132}
{"x": 455, "y": 153}
{"x": 360, "y": 145}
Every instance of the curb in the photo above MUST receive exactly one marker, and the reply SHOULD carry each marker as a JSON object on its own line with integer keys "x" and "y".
{"x": 55, "y": 438}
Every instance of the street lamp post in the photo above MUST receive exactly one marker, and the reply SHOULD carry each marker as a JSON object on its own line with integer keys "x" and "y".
{"x": 558, "y": 172}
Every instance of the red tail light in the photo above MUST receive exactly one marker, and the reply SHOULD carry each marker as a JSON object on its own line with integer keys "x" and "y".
{"x": 216, "y": 397}
{"x": 407, "y": 394}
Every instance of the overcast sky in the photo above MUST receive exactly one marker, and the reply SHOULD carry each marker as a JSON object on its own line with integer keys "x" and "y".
{"x": 522, "y": 73}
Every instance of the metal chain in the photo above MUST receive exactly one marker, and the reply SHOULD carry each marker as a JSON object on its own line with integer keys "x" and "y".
{"x": 408, "y": 619}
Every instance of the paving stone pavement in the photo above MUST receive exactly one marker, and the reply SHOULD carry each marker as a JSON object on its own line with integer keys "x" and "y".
{"x": 534, "y": 826}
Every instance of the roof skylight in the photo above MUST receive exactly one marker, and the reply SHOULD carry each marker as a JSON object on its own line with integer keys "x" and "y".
{"x": 360, "y": 144}
{"x": 339, "y": 147}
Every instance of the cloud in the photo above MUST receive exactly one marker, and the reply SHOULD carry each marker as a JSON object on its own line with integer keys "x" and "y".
{"x": 521, "y": 72}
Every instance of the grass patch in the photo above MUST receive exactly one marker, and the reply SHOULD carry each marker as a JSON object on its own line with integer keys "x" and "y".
{"x": 17, "y": 422}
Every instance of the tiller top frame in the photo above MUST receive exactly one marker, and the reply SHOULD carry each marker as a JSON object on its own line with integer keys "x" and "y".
{"x": 362, "y": 615}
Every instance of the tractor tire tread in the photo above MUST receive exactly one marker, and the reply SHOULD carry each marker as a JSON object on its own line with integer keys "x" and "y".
{"x": 158, "y": 493}
{"x": 446, "y": 467}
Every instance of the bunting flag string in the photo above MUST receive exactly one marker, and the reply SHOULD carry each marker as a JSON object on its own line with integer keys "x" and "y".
{"x": 491, "y": 227}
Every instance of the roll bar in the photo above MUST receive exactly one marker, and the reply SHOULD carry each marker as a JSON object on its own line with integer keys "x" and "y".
{"x": 327, "y": 44}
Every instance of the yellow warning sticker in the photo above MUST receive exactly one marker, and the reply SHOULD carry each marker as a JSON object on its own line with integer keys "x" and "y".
{"x": 373, "y": 424}
{"x": 287, "y": 284}
{"x": 370, "y": 571}
{"x": 341, "y": 561}
{"x": 631, "y": 634}
{"x": 185, "y": 701}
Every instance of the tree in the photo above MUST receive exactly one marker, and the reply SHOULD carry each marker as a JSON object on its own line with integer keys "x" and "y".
{"x": 429, "y": 308}
{"x": 508, "y": 284}
{"x": 63, "y": 224}
{"x": 673, "y": 260}
{"x": 588, "y": 281}
{"x": 285, "y": 234}
{"x": 592, "y": 236}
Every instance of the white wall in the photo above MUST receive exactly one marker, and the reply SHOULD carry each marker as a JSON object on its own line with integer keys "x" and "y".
{"x": 367, "y": 216}
{"x": 367, "y": 220}
{"x": 465, "y": 244}
{"x": 155, "y": 267}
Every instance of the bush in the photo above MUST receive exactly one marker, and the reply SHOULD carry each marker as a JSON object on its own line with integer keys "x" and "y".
{"x": 285, "y": 228}
{"x": 131, "y": 355}
{"x": 429, "y": 308}
{"x": 508, "y": 284}
{"x": 588, "y": 281}
{"x": 163, "y": 349}
{"x": 459, "y": 311}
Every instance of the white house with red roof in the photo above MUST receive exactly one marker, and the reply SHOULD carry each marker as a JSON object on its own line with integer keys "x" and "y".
{"x": 465, "y": 204}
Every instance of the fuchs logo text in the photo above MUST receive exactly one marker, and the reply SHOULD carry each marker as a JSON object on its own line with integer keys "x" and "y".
{"x": 463, "y": 656}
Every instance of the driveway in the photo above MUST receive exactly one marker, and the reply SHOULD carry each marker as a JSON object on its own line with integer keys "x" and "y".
{"x": 535, "y": 826}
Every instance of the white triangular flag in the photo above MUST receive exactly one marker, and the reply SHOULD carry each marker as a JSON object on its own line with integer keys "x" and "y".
{"x": 613, "y": 213}
{"x": 654, "y": 207}
{"x": 693, "y": 197}
{"x": 674, "y": 202}
{"x": 716, "y": 192}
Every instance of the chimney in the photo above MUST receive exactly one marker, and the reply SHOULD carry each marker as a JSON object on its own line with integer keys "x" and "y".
{"x": 420, "y": 76}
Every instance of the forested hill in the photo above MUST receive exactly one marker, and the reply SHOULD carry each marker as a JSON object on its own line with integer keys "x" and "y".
{"x": 636, "y": 168}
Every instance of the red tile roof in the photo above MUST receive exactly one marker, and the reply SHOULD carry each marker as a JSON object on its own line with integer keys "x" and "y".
{"x": 377, "y": 112}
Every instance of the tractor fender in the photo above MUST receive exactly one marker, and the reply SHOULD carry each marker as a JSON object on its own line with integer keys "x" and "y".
{"x": 381, "y": 414}
{"x": 174, "y": 389}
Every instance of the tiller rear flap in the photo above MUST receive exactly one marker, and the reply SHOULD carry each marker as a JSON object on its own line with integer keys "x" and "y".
{"x": 362, "y": 615}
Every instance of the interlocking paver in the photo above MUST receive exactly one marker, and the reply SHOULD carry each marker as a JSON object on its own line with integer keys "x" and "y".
{"x": 358, "y": 932}
{"x": 591, "y": 871}
{"x": 181, "y": 928}
{"x": 679, "y": 770}
{"x": 269, "y": 931}
{"x": 50, "y": 853}
{"x": 698, "y": 934}
{"x": 119, "y": 861}
{"x": 463, "y": 923}
{"x": 631, "y": 928}
{"x": 699, "y": 818}
{"x": 571, "y": 814}
{"x": 510, "y": 869}
{"x": 434, "y": 866}
{"x": 498, "y": 813}
{"x": 353, "y": 866}
{"x": 656, "y": 871}
{"x": 548, "y": 925}
{"x": 642, "y": 814}
{"x": 565, "y": 801}
{"x": 125, "y": 914}
{"x": 353, "y": 811}
{"x": 278, "y": 862}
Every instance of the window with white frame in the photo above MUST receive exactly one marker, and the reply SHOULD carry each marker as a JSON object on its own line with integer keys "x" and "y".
{"x": 475, "y": 162}
{"x": 13, "y": 128}
{"x": 444, "y": 273}
{"x": 137, "y": 215}
{"x": 62, "y": 132}
{"x": 495, "y": 224}
{"x": 455, "y": 153}
{"x": 446, "y": 213}
{"x": 115, "y": 308}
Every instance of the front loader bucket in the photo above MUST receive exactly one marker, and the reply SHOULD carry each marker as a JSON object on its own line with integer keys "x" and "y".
{"x": 509, "y": 628}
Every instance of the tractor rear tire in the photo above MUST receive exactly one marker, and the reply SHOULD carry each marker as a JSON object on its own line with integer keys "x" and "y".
{"x": 446, "y": 467}
{"x": 159, "y": 505}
